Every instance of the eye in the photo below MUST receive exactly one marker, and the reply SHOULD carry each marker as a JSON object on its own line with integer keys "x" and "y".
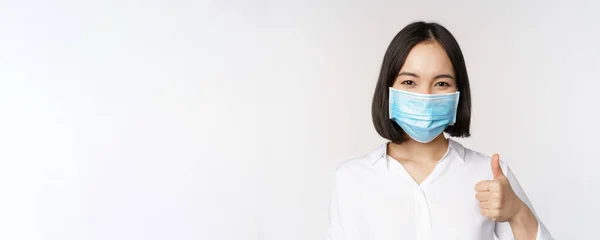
{"x": 442, "y": 84}
{"x": 408, "y": 82}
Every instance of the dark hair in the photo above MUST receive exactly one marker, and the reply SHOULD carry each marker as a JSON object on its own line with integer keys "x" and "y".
{"x": 394, "y": 58}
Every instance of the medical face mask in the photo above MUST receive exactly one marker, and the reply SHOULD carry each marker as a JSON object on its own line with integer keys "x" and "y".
{"x": 423, "y": 116}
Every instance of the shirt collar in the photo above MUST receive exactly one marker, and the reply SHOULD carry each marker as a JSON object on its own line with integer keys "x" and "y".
{"x": 380, "y": 152}
{"x": 458, "y": 148}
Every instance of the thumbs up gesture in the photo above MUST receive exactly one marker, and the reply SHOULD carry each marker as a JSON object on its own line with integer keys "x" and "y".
{"x": 497, "y": 200}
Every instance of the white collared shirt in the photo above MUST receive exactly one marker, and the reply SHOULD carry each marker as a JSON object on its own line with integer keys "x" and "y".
{"x": 375, "y": 198}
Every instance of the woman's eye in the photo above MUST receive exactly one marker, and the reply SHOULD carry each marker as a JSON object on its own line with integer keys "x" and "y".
{"x": 408, "y": 82}
{"x": 442, "y": 84}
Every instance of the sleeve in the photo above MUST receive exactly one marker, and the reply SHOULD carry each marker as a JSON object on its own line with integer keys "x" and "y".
{"x": 503, "y": 230}
{"x": 342, "y": 218}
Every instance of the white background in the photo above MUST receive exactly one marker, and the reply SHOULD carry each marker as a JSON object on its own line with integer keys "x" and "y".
{"x": 226, "y": 119}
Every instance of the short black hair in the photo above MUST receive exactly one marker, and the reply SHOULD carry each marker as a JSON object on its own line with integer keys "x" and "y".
{"x": 394, "y": 58}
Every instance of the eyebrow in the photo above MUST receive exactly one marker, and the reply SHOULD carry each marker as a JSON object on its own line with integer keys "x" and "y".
{"x": 417, "y": 76}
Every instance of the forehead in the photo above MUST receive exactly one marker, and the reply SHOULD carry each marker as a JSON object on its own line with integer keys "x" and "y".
{"x": 428, "y": 57}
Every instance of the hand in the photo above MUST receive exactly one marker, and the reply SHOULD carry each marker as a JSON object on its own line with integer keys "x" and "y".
{"x": 497, "y": 200}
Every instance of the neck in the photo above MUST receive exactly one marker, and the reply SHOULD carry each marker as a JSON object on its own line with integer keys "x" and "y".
{"x": 414, "y": 151}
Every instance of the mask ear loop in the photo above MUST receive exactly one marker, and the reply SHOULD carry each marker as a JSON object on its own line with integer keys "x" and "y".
{"x": 390, "y": 103}
{"x": 455, "y": 108}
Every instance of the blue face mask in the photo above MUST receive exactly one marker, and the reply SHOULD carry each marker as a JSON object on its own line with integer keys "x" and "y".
{"x": 423, "y": 116}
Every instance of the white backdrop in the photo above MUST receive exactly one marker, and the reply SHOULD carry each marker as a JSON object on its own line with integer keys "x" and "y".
{"x": 226, "y": 119}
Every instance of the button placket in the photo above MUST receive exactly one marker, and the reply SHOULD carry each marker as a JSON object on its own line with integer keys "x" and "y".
{"x": 422, "y": 215}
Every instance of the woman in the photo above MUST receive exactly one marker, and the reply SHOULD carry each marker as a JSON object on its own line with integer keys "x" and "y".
{"x": 421, "y": 185}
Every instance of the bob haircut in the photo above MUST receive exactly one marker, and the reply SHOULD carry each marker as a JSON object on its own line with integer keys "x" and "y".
{"x": 394, "y": 59}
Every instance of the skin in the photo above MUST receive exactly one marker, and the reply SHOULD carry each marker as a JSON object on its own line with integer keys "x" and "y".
{"x": 428, "y": 70}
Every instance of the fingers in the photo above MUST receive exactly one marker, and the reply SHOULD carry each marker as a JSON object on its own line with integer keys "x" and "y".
{"x": 488, "y": 200}
{"x": 487, "y": 185}
{"x": 491, "y": 204}
{"x": 483, "y": 196}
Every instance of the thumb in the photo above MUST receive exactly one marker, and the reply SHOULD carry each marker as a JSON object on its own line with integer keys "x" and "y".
{"x": 496, "y": 169}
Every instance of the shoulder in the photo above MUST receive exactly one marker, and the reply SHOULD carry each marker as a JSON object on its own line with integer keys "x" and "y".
{"x": 478, "y": 160}
{"x": 358, "y": 174}
{"x": 363, "y": 163}
{"x": 476, "y": 157}
{"x": 470, "y": 156}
